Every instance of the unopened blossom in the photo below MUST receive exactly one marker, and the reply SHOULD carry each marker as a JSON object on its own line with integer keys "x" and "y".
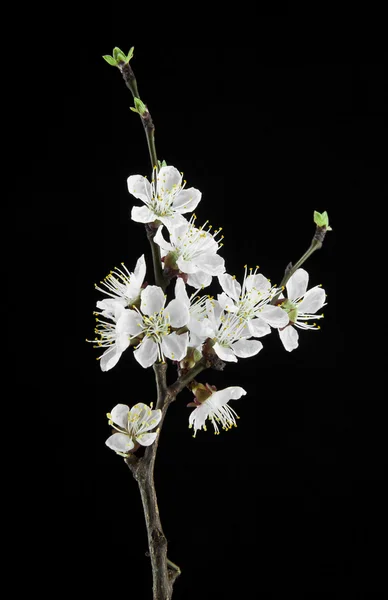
{"x": 251, "y": 302}
{"x": 165, "y": 198}
{"x": 113, "y": 334}
{"x": 133, "y": 427}
{"x": 216, "y": 408}
{"x": 230, "y": 334}
{"x": 193, "y": 251}
{"x": 122, "y": 286}
{"x": 154, "y": 323}
{"x": 300, "y": 306}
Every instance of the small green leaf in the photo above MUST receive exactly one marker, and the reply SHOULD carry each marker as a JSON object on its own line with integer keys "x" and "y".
{"x": 140, "y": 107}
{"x": 110, "y": 60}
{"x": 322, "y": 220}
{"x": 130, "y": 54}
{"x": 118, "y": 54}
{"x": 162, "y": 164}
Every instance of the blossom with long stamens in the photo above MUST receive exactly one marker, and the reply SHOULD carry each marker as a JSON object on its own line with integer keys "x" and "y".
{"x": 113, "y": 334}
{"x": 122, "y": 286}
{"x": 154, "y": 323}
{"x": 230, "y": 334}
{"x": 251, "y": 302}
{"x": 199, "y": 325}
{"x": 133, "y": 427}
{"x": 300, "y": 306}
{"x": 215, "y": 408}
{"x": 165, "y": 198}
{"x": 193, "y": 251}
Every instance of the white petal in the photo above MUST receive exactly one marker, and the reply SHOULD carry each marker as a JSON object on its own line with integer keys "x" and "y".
{"x": 230, "y": 286}
{"x": 179, "y": 231}
{"x": 139, "y": 187}
{"x": 259, "y": 282}
{"x": 140, "y": 270}
{"x": 187, "y": 200}
{"x": 178, "y": 313}
{"x": 222, "y": 397}
{"x": 246, "y": 348}
{"x": 227, "y": 303}
{"x": 198, "y": 280}
{"x": 152, "y": 300}
{"x": 211, "y": 263}
{"x": 297, "y": 284}
{"x": 122, "y": 342}
{"x": 186, "y": 266}
{"x": 147, "y": 353}
{"x": 258, "y": 328}
{"x": 214, "y": 312}
{"x": 180, "y": 292}
{"x": 120, "y": 415}
{"x": 110, "y": 358}
{"x": 202, "y": 329}
{"x": 146, "y": 439}
{"x": 273, "y": 315}
{"x": 142, "y": 214}
{"x": 175, "y": 346}
{"x": 152, "y": 421}
{"x": 109, "y": 307}
{"x": 159, "y": 239}
{"x": 198, "y": 416}
{"x": 172, "y": 221}
{"x": 139, "y": 412}
{"x": 224, "y": 353}
{"x": 289, "y": 337}
{"x": 130, "y": 323}
{"x": 313, "y": 300}
{"x": 119, "y": 442}
{"x": 167, "y": 178}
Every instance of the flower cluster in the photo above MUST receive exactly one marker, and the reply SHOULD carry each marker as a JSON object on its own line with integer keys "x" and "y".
{"x": 139, "y": 315}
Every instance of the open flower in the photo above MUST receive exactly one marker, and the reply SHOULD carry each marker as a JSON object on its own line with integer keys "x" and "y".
{"x": 215, "y": 407}
{"x": 165, "y": 198}
{"x": 193, "y": 251}
{"x": 251, "y": 302}
{"x": 122, "y": 286}
{"x": 300, "y": 306}
{"x": 198, "y": 324}
{"x": 114, "y": 335}
{"x": 133, "y": 427}
{"x": 230, "y": 334}
{"x": 154, "y": 322}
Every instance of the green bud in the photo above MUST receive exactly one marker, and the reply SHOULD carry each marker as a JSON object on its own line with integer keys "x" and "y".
{"x": 322, "y": 220}
{"x": 110, "y": 60}
{"x": 139, "y": 107}
{"x": 162, "y": 164}
{"x": 119, "y": 55}
{"x": 130, "y": 54}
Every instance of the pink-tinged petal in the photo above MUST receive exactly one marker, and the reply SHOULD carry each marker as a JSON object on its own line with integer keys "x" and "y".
{"x": 187, "y": 200}
{"x": 297, "y": 284}
{"x": 186, "y": 266}
{"x": 226, "y": 303}
{"x": 147, "y": 353}
{"x": 142, "y": 214}
{"x": 222, "y": 397}
{"x": 168, "y": 178}
{"x": 181, "y": 293}
{"x": 224, "y": 353}
{"x": 140, "y": 270}
{"x": 159, "y": 239}
{"x": 211, "y": 263}
{"x": 119, "y": 415}
{"x": 175, "y": 346}
{"x": 289, "y": 337}
{"x": 230, "y": 285}
{"x": 110, "y": 358}
{"x": 146, "y": 439}
{"x": 119, "y": 442}
{"x": 246, "y": 348}
{"x": 198, "y": 280}
{"x": 178, "y": 313}
{"x": 152, "y": 300}
{"x": 274, "y": 316}
{"x": 258, "y": 328}
{"x": 139, "y": 187}
{"x": 258, "y": 282}
{"x": 313, "y": 300}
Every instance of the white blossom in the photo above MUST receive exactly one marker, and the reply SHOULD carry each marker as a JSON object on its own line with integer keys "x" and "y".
{"x": 133, "y": 427}
{"x": 154, "y": 322}
{"x": 199, "y": 326}
{"x": 165, "y": 198}
{"x": 300, "y": 306}
{"x": 112, "y": 334}
{"x": 194, "y": 252}
{"x": 122, "y": 286}
{"x": 216, "y": 409}
{"x": 251, "y": 302}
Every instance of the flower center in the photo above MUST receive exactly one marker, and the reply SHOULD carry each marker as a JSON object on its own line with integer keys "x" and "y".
{"x": 156, "y": 326}
{"x": 291, "y": 309}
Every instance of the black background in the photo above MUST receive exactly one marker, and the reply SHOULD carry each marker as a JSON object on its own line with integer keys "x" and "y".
{"x": 292, "y": 498}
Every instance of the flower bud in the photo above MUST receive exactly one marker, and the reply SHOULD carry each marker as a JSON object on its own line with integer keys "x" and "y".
{"x": 322, "y": 220}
